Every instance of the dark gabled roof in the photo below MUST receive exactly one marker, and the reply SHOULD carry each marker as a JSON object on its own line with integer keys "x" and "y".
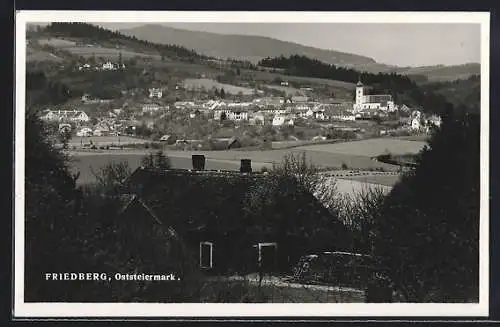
{"x": 219, "y": 200}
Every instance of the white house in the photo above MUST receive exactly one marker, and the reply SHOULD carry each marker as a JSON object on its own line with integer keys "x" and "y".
{"x": 218, "y": 113}
{"x": 238, "y": 115}
{"x": 150, "y": 108}
{"x": 415, "y": 124}
{"x": 155, "y": 93}
{"x": 79, "y": 116}
{"x": 280, "y": 120}
{"x": 341, "y": 115}
{"x": 50, "y": 115}
{"x": 85, "y": 131}
{"x": 108, "y": 66}
{"x": 257, "y": 118}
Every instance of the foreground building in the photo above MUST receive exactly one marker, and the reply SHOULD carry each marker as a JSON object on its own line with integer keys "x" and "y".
{"x": 215, "y": 215}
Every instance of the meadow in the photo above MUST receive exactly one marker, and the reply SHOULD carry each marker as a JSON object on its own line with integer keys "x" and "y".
{"x": 210, "y": 83}
{"x": 291, "y": 91}
{"x": 108, "y": 53}
{"x": 355, "y": 155}
{"x": 369, "y": 148}
{"x": 105, "y": 140}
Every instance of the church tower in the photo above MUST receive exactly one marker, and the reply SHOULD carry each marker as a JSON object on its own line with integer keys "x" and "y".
{"x": 359, "y": 95}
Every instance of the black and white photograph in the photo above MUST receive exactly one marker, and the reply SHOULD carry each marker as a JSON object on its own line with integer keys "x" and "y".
{"x": 203, "y": 164}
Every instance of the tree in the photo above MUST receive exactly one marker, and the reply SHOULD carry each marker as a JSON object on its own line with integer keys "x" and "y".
{"x": 51, "y": 202}
{"x": 111, "y": 176}
{"x": 157, "y": 160}
{"x": 222, "y": 93}
{"x": 428, "y": 234}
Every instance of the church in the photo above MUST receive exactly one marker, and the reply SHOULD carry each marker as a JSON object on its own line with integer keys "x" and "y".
{"x": 372, "y": 101}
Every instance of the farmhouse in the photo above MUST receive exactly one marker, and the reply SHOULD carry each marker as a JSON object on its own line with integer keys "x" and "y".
{"x": 238, "y": 114}
{"x": 85, "y": 131}
{"x": 257, "y": 118}
{"x": 76, "y": 116}
{"x": 150, "y": 108}
{"x": 280, "y": 120}
{"x": 269, "y": 102}
{"x": 211, "y": 211}
{"x": 108, "y": 66}
{"x": 339, "y": 114}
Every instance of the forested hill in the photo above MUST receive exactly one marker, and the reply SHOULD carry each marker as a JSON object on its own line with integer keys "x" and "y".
{"x": 401, "y": 87}
{"x": 461, "y": 92}
{"x": 93, "y": 33}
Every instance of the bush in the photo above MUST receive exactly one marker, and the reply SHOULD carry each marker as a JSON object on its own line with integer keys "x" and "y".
{"x": 344, "y": 165}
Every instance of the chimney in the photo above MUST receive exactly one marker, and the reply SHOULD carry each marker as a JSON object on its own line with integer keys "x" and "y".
{"x": 198, "y": 161}
{"x": 246, "y": 166}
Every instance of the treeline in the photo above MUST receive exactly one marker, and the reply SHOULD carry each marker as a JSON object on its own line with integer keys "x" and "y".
{"x": 464, "y": 94}
{"x": 41, "y": 90}
{"x": 402, "y": 88}
{"x": 96, "y": 33}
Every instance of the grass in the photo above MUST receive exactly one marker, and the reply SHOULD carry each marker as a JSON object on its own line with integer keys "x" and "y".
{"x": 209, "y": 83}
{"x": 41, "y": 55}
{"x": 370, "y": 147}
{"x": 384, "y": 180}
{"x": 57, "y": 42}
{"x": 108, "y": 52}
{"x": 355, "y": 155}
{"x": 225, "y": 160}
{"x": 287, "y": 89}
{"x": 105, "y": 140}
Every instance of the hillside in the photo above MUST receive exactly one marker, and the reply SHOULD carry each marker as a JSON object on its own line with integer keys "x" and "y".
{"x": 255, "y": 48}
{"x": 252, "y": 48}
{"x": 463, "y": 92}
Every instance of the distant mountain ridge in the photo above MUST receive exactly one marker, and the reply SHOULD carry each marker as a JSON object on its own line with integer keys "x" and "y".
{"x": 255, "y": 48}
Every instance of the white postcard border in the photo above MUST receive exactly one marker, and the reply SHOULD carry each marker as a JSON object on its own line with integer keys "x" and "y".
{"x": 27, "y": 310}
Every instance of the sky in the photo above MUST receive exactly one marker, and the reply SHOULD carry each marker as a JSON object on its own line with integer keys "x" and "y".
{"x": 412, "y": 44}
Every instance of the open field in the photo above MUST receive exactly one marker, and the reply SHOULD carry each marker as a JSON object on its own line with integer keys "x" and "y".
{"x": 383, "y": 180}
{"x": 41, "y": 55}
{"x": 369, "y": 148}
{"x": 230, "y": 160}
{"x": 263, "y": 75}
{"x": 287, "y": 89}
{"x": 105, "y": 140}
{"x": 356, "y": 155}
{"x": 86, "y": 164}
{"x": 209, "y": 83}
{"x": 109, "y": 53}
{"x": 57, "y": 42}
{"x": 421, "y": 138}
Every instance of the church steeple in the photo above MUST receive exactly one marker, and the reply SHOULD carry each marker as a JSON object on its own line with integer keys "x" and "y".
{"x": 359, "y": 82}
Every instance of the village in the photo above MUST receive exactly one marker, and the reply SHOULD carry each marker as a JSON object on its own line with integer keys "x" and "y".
{"x": 219, "y": 115}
